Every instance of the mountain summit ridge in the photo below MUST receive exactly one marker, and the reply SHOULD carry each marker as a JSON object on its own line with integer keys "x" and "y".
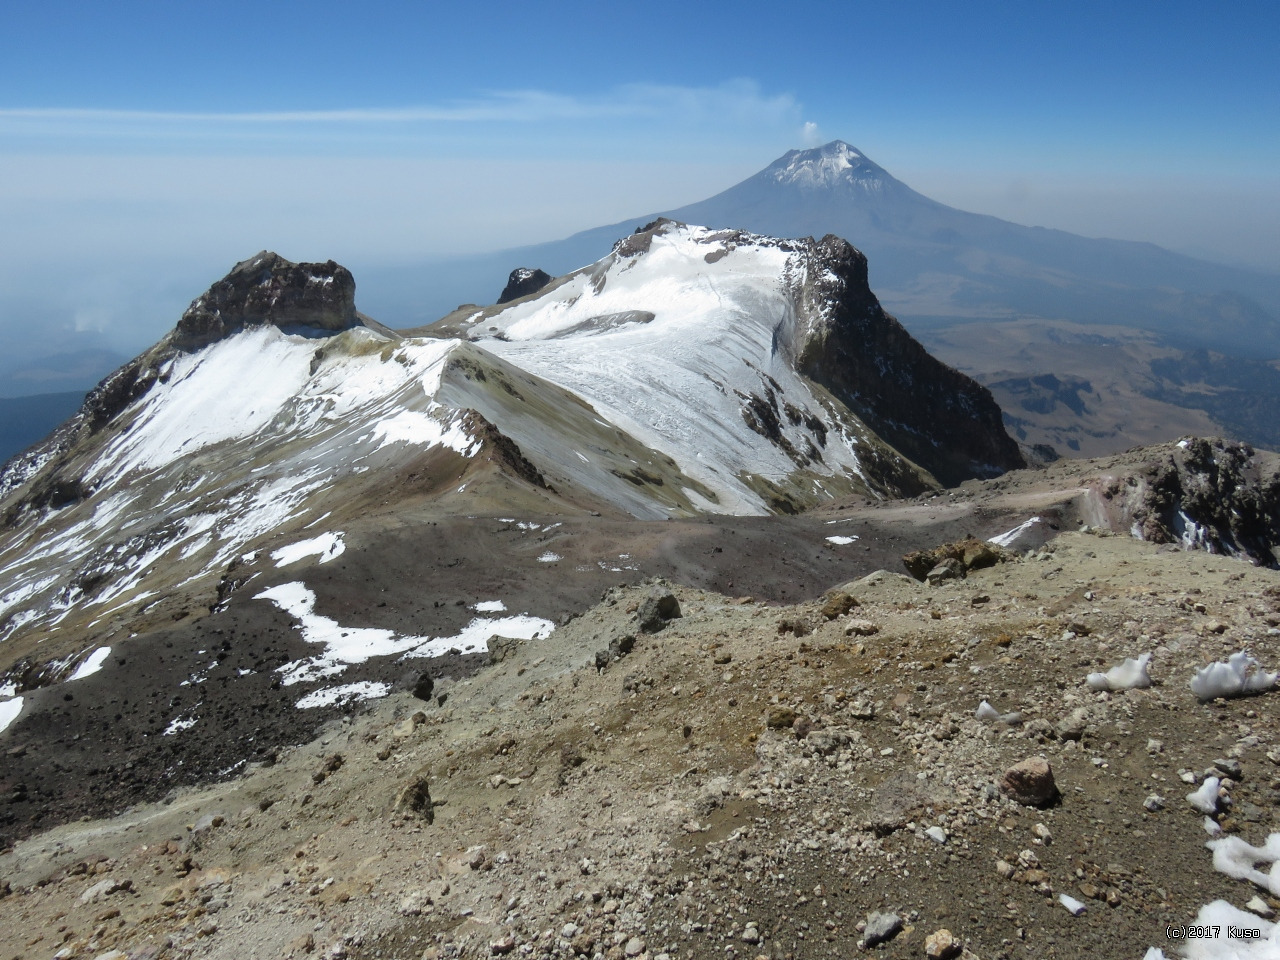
{"x": 822, "y": 167}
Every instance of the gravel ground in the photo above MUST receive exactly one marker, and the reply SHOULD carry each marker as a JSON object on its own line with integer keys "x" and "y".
{"x": 752, "y": 780}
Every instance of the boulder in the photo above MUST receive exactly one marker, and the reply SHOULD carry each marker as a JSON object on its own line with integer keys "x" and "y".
{"x": 656, "y": 609}
{"x": 1030, "y": 783}
{"x": 414, "y": 799}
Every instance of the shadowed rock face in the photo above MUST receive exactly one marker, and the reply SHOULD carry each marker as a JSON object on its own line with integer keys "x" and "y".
{"x": 265, "y": 289}
{"x": 943, "y": 420}
{"x": 522, "y": 282}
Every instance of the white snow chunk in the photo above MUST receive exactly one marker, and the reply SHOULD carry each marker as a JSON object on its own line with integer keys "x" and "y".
{"x": 1128, "y": 675}
{"x": 1019, "y": 537}
{"x": 475, "y": 635}
{"x": 178, "y": 724}
{"x": 8, "y": 690}
{"x": 550, "y": 557}
{"x": 841, "y": 541}
{"x": 1212, "y": 827}
{"x": 986, "y": 711}
{"x": 1206, "y": 798}
{"x": 1239, "y": 676}
{"x": 1221, "y": 916}
{"x": 92, "y": 664}
{"x": 327, "y": 546}
{"x": 1237, "y": 859}
{"x": 344, "y": 646}
{"x": 365, "y": 690}
{"x": 490, "y": 606}
{"x": 9, "y": 711}
{"x": 413, "y": 426}
{"x": 1074, "y": 906}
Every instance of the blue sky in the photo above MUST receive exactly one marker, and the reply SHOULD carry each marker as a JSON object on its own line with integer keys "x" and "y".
{"x": 146, "y": 146}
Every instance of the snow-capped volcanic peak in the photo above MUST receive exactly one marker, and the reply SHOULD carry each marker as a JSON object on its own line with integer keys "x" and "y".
{"x": 682, "y": 338}
{"x": 825, "y": 166}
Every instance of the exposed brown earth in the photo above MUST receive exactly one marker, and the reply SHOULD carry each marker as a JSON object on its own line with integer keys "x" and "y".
{"x": 752, "y": 780}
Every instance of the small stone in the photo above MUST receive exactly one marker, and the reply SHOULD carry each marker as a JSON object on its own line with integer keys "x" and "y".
{"x": 1155, "y": 746}
{"x": 751, "y": 934}
{"x": 414, "y": 799}
{"x": 1259, "y": 906}
{"x": 407, "y": 727}
{"x": 502, "y": 946}
{"x": 569, "y": 931}
{"x": 1074, "y": 906}
{"x": 1042, "y": 832}
{"x": 937, "y": 834}
{"x": 838, "y": 604}
{"x": 881, "y": 928}
{"x": 302, "y": 944}
{"x": 1005, "y": 869}
{"x": 781, "y": 718}
{"x": 1030, "y": 782}
{"x": 1231, "y": 767}
{"x": 1073, "y": 725}
{"x": 860, "y": 628}
{"x": 634, "y": 947}
{"x": 941, "y": 945}
{"x": 1153, "y": 803}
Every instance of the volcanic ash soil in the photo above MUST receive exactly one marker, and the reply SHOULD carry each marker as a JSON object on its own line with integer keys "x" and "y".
{"x": 748, "y": 781}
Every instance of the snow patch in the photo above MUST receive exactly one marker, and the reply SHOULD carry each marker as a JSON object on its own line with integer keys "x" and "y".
{"x": 841, "y": 541}
{"x": 345, "y": 646}
{"x": 1237, "y": 859}
{"x": 1126, "y": 676}
{"x": 177, "y": 725}
{"x": 490, "y": 606}
{"x": 9, "y": 711}
{"x": 327, "y": 546}
{"x": 1021, "y": 534}
{"x": 549, "y": 557}
{"x": 91, "y": 665}
{"x": 364, "y": 690}
{"x": 1239, "y": 676}
{"x": 1205, "y": 799}
{"x": 414, "y": 426}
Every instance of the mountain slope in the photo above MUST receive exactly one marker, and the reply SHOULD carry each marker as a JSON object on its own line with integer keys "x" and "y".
{"x": 689, "y": 372}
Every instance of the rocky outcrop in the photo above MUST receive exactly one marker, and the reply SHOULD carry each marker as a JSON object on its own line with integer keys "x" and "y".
{"x": 842, "y": 339}
{"x": 967, "y": 555}
{"x": 1212, "y": 494}
{"x": 522, "y": 282}
{"x": 266, "y": 289}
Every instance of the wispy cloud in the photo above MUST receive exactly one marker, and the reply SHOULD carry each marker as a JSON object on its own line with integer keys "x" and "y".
{"x": 737, "y": 101}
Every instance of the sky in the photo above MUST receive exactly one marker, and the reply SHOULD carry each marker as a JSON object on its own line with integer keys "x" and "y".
{"x": 145, "y": 147}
